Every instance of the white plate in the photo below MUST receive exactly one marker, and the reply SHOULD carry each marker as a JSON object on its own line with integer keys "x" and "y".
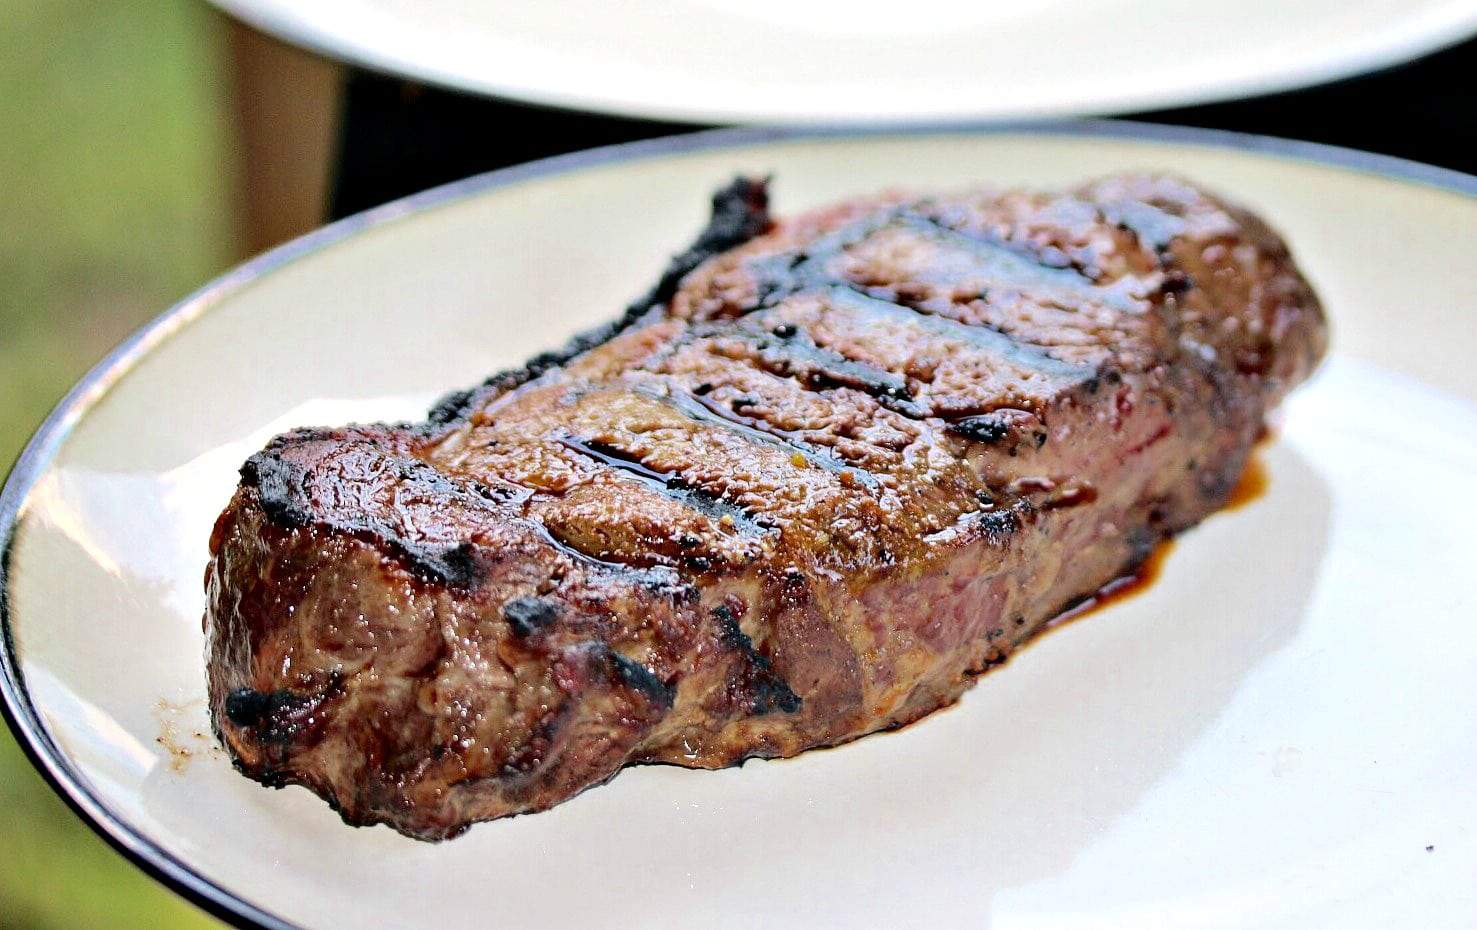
{"x": 725, "y": 61}
{"x": 1280, "y": 733}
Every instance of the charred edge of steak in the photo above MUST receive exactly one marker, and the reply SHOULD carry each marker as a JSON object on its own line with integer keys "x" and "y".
{"x": 598, "y": 657}
{"x": 279, "y": 716}
{"x": 280, "y": 486}
{"x": 638, "y": 678}
{"x": 757, "y": 684}
{"x": 279, "y": 482}
{"x": 1007, "y": 428}
{"x": 740, "y": 213}
{"x": 529, "y": 616}
{"x": 997, "y": 524}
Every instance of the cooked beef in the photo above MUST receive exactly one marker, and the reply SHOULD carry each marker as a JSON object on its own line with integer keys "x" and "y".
{"x": 810, "y": 488}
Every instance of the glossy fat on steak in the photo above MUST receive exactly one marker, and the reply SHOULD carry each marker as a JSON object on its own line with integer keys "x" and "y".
{"x": 810, "y": 488}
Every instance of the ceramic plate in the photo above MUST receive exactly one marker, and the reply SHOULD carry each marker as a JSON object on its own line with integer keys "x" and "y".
{"x": 725, "y": 61}
{"x": 1280, "y": 733}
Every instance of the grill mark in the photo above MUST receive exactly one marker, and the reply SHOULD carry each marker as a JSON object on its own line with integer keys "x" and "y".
{"x": 707, "y": 411}
{"x": 669, "y": 485}
{"x": 1049, "y": 257}
{"x": 987, "y": 338}
{"x": 1019, "y": 269}
{"x": 608, "y": 455}
{"x": 756, "y": 681}
{"x": 995, "y": 524}
{"x": 818, "y": 369}
{"x": 805, "y": 270}
{"x": 659, "y": 579}
{"x": 781, "y": 275}
{"x": 639, "y": 678}
{"x": 1154, "y": 228}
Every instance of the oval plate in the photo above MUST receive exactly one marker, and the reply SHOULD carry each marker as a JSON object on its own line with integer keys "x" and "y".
{"x": 726, "y": 61}
{"x": 1279, "y": 733}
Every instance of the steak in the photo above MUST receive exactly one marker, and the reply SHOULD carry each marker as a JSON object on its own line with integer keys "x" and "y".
{"x": 827, "y": 473}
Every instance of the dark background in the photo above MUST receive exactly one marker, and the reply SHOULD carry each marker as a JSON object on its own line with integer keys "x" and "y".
{"x": 400, "y": 137}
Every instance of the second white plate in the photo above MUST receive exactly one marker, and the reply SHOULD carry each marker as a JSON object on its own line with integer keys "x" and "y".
{"x": 724, "y": 61}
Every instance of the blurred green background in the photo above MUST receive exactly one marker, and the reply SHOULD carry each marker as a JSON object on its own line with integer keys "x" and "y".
{"x": 118, "y": 195}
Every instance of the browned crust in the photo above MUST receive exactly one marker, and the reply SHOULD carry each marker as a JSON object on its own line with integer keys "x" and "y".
{"x": 808, "y": 488}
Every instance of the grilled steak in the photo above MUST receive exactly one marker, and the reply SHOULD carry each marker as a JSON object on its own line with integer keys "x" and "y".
{"x": 826, "y": 474}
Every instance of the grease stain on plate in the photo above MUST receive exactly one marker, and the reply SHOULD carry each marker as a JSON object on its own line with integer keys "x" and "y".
{"x": 181, "y": 732}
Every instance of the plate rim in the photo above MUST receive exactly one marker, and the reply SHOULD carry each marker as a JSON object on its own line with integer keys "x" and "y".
{"x": 61, "y": 773}
{"x": 1377, "y": 51}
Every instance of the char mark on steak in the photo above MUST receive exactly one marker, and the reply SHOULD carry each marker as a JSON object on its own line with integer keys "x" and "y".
{"x": 814, "y": 483}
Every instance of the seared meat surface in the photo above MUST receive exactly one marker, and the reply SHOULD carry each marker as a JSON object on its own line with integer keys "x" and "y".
{"x": 830, "y": 471}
